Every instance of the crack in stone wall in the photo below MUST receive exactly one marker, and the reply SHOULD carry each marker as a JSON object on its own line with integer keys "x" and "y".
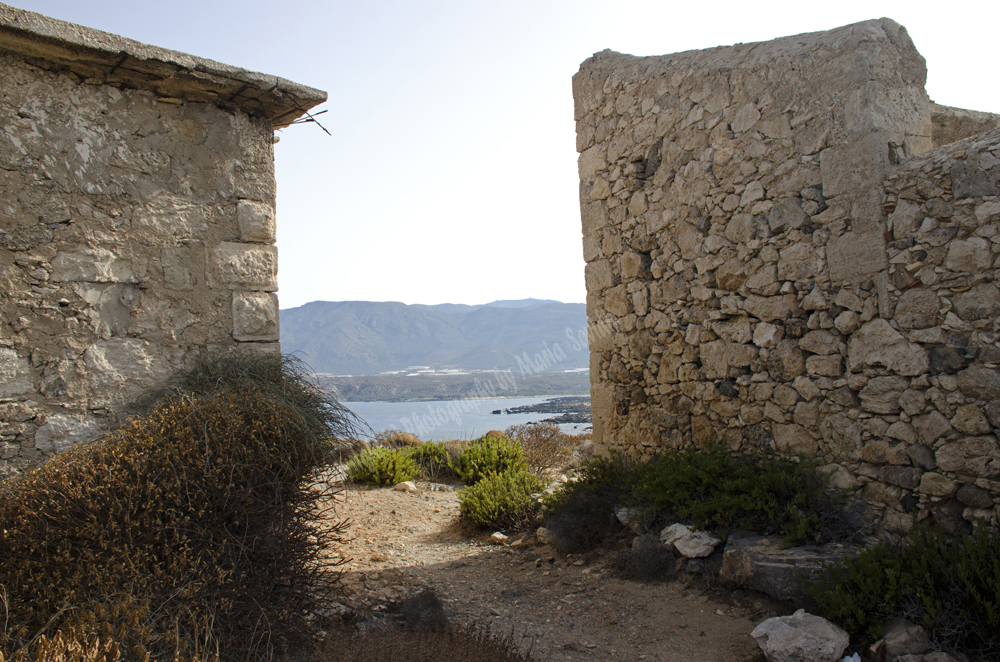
{"x": 777, "y": 262}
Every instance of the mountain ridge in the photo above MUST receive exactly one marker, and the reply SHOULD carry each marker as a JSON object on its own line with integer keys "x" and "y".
{"x": 374, "y": 337}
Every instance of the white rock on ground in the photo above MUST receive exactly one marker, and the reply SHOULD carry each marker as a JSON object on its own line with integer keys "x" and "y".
{"x": 904, "y": 638}
{"x": 406, "y": 486}
{"x": 801, "y": 637}
{"x": 498, "y": 539}
{"x": 630, "y": 517}
{"x": 689, "y": 543}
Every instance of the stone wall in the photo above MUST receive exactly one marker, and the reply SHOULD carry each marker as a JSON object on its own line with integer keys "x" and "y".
{"x": 137, "y": 223}
{"x": 771, "y": 266}
{"x": 954, "y": 124}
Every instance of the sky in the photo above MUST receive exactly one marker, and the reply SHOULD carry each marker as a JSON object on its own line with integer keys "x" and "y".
{"x": 450, "y": 175}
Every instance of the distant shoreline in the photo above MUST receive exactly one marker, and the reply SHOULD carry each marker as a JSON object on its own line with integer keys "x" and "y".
{"x": 435, "y": 388}
{"x": 547, "y": 396}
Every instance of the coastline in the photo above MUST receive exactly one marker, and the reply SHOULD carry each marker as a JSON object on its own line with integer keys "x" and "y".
{"x": 438, "y": 388}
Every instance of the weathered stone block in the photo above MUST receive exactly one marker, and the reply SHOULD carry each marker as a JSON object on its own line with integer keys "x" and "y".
{"x": 786, "y": 361}
{"x": 826, "y": 366}
{"x": 256, "y": 220}
{"x": 598, "y": 275}
{"x": 821, "y": 342}
{"x": 970, "y": 420}
{"x": 770, "y": 309}
{"x": 979, "y": 382}
{"x": 760, "y": 564}
{"x": 60, "y": 432}
{"x": 15, "y": 375}
{"x": 92, "y": 264}
{"x": 794, "y": 440}
{"x": 176, "y": 262}
{"x": 937, "y": 485}
{"x": 854, "y": 257}
{"x": 917, "y": 309}
{"x": 877, "y": 343}
{"x": 970, "y": 255}
{"x": 255, "y": 316}
{"x": 975, "y": 497}
{"x": 971, "y": 456}
{"x": 982, "y": 302}
{"x": 843, "y": 436}
{"x": 881, "y": 395}
{"x": 931, "y": 426}
{"x": 248, "y": 266}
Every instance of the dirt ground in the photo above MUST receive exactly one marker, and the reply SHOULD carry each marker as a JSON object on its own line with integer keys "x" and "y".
{"x": 565, "y": 607}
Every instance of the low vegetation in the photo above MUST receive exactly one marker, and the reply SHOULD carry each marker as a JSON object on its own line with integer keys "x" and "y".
{"x": 501, "y": 500}
{"x": 379, "y": 465}
{"x": 710, "y": 490}
{"x": 950, "y": 586}
{"x": 490, "y": 454}
{"x": 501, "y": 470}
{"x": 189, "y": 531}
{"x": 546, "y": 446}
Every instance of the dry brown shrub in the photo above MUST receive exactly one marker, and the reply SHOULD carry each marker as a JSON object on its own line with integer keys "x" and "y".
{"x": 546, "y": 447}
{"x": 190, "y": 531}
{"x": 392, "y": 438}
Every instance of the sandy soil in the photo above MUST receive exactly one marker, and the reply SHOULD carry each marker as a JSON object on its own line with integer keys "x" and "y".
{"x": 566, "y": 607}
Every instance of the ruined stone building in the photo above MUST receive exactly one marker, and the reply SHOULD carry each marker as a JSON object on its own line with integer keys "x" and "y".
{"x": 137, "y": 222}
{"x": 790, "y": 248}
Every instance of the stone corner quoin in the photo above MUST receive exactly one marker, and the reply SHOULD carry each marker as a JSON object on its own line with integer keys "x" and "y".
{"x": 789, "y": 248}
{"x": 137, "y": 222}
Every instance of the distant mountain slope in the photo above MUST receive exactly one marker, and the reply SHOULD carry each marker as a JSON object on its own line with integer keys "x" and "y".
{"x": 367, "y": 337}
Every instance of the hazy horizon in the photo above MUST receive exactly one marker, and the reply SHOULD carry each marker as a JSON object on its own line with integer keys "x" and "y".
{"x": 422, "y": 303}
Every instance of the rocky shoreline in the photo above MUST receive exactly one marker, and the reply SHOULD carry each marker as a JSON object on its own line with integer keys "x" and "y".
{"x": 571, "y": 409}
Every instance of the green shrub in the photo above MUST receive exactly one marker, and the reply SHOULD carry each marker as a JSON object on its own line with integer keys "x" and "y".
{"x": 718, "y": 491}
{"x": 489, "y": 455}
{"x": 433, "y": 459}
{"x": 711, "y": 490}
{"x": 500, "y": 500}
{"x": 382, "y": 466}
{"x": 952, "y": 587}
{"x": 188, "y": 531}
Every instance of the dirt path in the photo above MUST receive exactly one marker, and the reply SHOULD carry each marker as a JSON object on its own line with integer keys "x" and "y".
{"x": 570, "y": 608}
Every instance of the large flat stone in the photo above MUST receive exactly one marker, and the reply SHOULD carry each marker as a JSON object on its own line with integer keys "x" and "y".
{"x": 758, "y": 563}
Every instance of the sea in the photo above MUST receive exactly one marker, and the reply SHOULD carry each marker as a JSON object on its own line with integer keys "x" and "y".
{"x": 444, "y": 420}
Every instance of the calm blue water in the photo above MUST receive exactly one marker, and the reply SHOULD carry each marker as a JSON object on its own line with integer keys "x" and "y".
{"x": 444, "y": 420}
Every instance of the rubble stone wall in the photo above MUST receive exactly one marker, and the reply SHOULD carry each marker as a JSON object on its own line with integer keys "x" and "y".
{"x": 775, "y": 261}
{"x": 137, "y": 232}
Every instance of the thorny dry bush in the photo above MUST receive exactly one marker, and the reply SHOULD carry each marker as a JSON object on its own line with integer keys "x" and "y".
{"x": 189, "y": 531}
{"x": 546, "y": 447}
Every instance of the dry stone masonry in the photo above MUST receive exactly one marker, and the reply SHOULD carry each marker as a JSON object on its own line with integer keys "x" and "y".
{"x": 137, "y": 222}
{"x": 777, "y": 260}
